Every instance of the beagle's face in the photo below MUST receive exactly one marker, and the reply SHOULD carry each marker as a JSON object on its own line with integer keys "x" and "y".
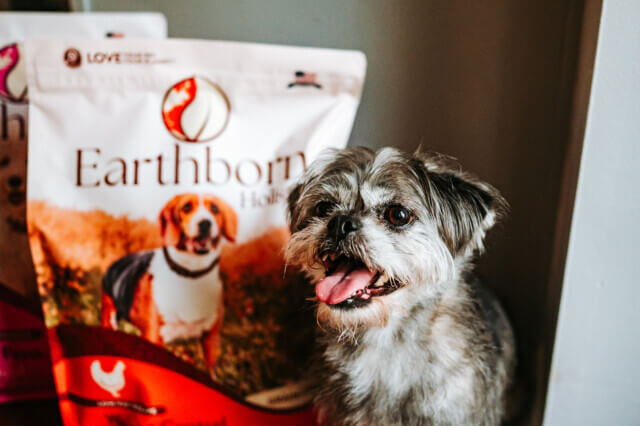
{"x": 195, "y": 223}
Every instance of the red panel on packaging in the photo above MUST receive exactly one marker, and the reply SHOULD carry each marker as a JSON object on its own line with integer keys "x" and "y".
{"x": 25, "y": 366}
{"x": 98, "y": 384}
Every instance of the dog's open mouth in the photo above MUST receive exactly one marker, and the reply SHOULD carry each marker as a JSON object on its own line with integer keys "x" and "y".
{"x": 201, "y": 245}
{"x": 349, "y": 283}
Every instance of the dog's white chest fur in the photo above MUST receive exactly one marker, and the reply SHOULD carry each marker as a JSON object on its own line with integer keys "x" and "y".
{"x": 382, "y": 364}
{"x": 189, "y": 306}
{"x": 391, "y": 366}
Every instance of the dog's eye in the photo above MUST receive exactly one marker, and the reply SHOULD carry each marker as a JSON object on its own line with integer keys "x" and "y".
{"x": 214, "y": 209}
{"x": 323, "y": 208}
{"x": 187, "y": 207}
{"x": 397, "y": 215}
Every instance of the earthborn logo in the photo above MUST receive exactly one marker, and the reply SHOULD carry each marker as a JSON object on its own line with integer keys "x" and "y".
{"x": 195, "y": 110}
{"x": 13, "y": 75}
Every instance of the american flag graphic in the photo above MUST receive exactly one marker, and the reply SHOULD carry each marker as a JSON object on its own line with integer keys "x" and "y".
{"x": 305, "y": 79}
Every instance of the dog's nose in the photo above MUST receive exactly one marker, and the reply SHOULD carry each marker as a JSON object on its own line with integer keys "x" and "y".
{"x": 204, "y": 226}
{"x": 340, "y": 226}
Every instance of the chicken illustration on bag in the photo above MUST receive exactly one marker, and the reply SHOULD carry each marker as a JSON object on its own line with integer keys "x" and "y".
{"x": 113, "y": 381}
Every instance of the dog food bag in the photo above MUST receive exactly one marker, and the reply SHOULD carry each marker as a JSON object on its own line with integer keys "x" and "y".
{"x": 25, "y": 370}
{"x": 157, "y": 185}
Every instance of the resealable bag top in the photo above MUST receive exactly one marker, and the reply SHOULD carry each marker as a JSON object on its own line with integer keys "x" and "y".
{"x": 24, "y": 364}
{"x": 157, "y": 185}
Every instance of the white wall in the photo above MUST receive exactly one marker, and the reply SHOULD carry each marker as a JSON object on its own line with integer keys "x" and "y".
{"x": 595, "y": 376}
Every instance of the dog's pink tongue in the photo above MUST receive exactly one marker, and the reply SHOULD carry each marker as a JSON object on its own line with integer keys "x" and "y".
{"x": 337, "y": 287}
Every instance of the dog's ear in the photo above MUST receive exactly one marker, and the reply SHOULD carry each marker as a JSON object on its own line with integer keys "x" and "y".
{"x": 229, "y": 220}
{"x": 169, "y": 229}
{"x": 292, "y": 202}
{"x": 464, "y": 208}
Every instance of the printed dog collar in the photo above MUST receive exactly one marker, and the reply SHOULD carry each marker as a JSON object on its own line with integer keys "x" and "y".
{"x": 181, "y": 270}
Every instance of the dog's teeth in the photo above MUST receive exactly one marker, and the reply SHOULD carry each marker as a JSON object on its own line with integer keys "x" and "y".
{"x": 324, "y": 257}
{"x": 383, "y": 278}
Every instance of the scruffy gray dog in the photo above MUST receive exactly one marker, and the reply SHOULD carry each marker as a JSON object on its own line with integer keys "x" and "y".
{"x": 408, "y": 337}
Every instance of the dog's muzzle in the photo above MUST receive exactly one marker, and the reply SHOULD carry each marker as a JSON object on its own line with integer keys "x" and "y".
{"x": 339, "y": 227}
{"x": 349, "y": 283}
{"x": 203, "y": 242}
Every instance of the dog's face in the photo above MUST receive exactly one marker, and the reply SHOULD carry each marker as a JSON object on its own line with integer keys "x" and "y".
{"x": 376, "y": 231}
{"x": 195, "y": 223}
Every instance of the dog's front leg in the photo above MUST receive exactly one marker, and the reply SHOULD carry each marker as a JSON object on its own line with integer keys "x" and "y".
{"x": 144, "y": 312}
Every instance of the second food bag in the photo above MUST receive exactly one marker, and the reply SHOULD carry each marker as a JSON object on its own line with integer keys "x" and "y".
{"x": 24, "y": 359}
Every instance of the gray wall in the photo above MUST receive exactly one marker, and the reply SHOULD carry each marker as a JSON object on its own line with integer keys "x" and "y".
{"x": 487, "y": 82}
{"x": 595, "y": 378}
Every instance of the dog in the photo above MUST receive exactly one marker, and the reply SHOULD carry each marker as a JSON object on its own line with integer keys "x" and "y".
{"x": 175, "y": 292}
{"x": 407, "y": 335}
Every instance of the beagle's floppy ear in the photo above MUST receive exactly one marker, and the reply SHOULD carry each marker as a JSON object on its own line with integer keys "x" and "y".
{"x": 169, "y": 228}
{"x": 229, "y": 220}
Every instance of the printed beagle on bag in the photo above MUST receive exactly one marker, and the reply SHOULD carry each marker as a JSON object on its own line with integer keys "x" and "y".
{"x": 175, "y": 292}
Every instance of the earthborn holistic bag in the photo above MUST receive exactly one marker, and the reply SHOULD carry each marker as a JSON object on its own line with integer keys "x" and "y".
{"x": 25, "y": 370}
{"x": 157, "y": 181}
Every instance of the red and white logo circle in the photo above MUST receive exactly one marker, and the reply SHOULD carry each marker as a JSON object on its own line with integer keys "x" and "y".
{"x": 195, "y": 110}
{"x": 13, "y": 75}
{"x": 72, "y": 58}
